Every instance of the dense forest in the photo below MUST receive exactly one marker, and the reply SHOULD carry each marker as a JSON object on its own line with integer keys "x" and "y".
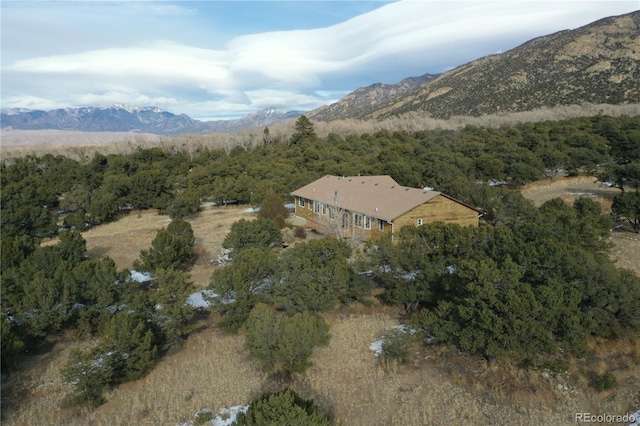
{"x": 531, "y": 284}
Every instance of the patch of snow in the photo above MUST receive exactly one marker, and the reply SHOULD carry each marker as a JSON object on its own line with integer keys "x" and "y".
{"x": 636, "y": 418}
{"x": 251, "y": 210}
{"x": 410, "y": 276}
{"x": 119, "y": 308}
{"x": 228, "y": 416}
{"x": 140, "y": 277}
{"x": 223, "y": 257}
{"x": 199, "y": 299}
{"x": 225, "y": 417}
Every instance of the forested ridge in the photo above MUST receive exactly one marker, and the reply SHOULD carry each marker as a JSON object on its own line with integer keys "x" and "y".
{"x": 531, "y": 284}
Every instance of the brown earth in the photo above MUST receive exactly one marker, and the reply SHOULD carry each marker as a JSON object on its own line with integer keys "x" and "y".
{"x": 439, "y": 386}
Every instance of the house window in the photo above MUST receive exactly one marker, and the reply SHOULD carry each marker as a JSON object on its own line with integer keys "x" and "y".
{"x": 419, "y": 222}
{"x": 380, "y": 225}
{"x": 316, "y": 207}
{"x": 332, "y": 213}
{"x": 357, "y": 220}
{"x": 301, "y": 202}
{"x": 345, "y": 220}
{"x": 367, "y": 222}
{"x": 324, "y": 209}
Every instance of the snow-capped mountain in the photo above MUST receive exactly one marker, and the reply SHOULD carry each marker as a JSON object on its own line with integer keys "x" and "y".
{"x": 133, "y": 118}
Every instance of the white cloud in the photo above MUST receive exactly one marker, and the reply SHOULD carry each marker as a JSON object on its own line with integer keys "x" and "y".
{"x": 300, "y": 69}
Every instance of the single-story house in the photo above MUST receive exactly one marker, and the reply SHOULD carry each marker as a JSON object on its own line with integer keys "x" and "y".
{"x": 367, "y": 207}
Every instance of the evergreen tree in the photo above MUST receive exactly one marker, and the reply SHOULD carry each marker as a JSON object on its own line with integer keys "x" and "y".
{"x": 313, "y": 275}
{"x": 627, "y": 205}
{"x": 304, "y": 131}
{"x": 171, "y": 312}
{"x": 284, "y": 408}
{"x": 273, "y": 208}
{"x": 284, "y": 344}
{"x": 172, "y": 248}
{"x": 247, "y": 281}
{"x": 252, "y": 233}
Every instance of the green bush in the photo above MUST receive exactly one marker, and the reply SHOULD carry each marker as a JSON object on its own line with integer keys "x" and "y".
{"x": 282, "y": 409}
{"x": 602, "y": 382}
{"x": 273, "y": 208}
{"x": 203, "y": 416}
{"x": 252, "y": 233}
{"x": 284, "y": 344}
{"x": 395, "y": 346}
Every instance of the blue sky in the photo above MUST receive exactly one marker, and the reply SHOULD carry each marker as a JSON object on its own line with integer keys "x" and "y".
{"x": 225, "y": 59}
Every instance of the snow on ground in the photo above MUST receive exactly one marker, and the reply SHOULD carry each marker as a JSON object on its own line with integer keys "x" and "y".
{"x": 200, "y": 299}
{"x": 140, "y": 277}
{"x": 376, "y": 346}
{"x": 228, "y": 415}
{"x": 225, "y": 417}
{"x": 636, "y": 418}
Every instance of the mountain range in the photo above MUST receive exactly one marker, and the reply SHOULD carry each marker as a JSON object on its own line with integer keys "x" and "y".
{"x": 595, "y": 64}
{"x": 132, "y": 118}
{"x": 598, "y": 64}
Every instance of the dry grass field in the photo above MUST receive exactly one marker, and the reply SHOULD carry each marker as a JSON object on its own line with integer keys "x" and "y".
{"x": 213, "y": 370}
{"x": 438, "y": 387}
{"x": 123, "y": 240}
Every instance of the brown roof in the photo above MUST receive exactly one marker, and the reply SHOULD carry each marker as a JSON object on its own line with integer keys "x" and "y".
{"x": 377, "y": 196}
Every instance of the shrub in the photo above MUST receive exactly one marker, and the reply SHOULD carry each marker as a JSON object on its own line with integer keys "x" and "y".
{"x": 284, "y": 344}
{"x": 604, "y": 381}
{"x": 395, "y": 346}
{"x": 282, "y": 408}
{"x": 172, "y": 248}
{"x": 313, "y": 275}
{"x": 273, "y": 208}
{"x": 252, "y": 233}
{"x": 300, "y": 232}
{"x": 203, "y": 416}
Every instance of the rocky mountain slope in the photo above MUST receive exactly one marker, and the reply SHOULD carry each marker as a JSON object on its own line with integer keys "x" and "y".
{"x": 127, "y": 118}
{"x": 366, "y": 100}
{"x": 597, "y": 63}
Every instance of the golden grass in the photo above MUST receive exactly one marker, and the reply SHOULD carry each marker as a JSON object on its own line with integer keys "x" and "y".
{"x": 123, "y": 240}
{"x": 626, "y": 250}
{"x": 569, "y": 189}
{"x": 438, "y": 386}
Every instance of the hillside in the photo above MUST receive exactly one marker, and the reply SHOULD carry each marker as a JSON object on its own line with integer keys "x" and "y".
{"x": 366, "y": 100}
{"x": 597, "y": 63}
